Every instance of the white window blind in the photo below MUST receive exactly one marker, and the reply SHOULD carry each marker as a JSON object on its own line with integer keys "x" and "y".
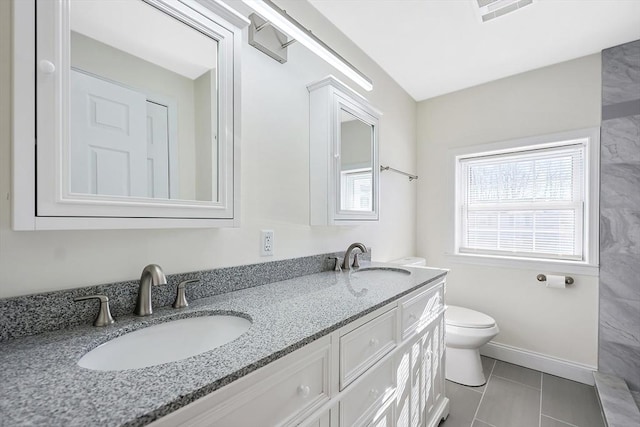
{"x": 523, "y": 203}
{"x": 355, "y": 191}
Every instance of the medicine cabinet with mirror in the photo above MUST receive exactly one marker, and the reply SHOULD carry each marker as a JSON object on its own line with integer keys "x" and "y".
{"x": 136, "y": 120}
{"x": 344, "y": 164}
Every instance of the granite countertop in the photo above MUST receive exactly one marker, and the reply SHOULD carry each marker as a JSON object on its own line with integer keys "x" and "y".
{"x": 41, "y": 383}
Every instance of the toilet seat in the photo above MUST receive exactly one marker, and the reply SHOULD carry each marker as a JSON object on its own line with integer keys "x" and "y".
{"x": 467, "y": 318}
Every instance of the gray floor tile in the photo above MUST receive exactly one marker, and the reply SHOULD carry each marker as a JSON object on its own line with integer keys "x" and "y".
{"x": 487, "y": 365}
{"x": 464, "y": 402}
{"x": 571, "y": 402}
{"x": 478, "y": 423}
{"x": 518, "y": 374}
{"x": 508, "y": 404}
{"x": 550, "y": 422}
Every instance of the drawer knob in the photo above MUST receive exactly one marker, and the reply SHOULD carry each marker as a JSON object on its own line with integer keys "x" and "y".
{"x": 412, "y": 316}
{"x": 373, "y": 342}
{"x": 374, "y": 393}
{"x": 303, "y": 390}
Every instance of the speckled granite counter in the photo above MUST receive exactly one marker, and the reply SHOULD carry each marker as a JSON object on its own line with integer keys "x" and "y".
{"x": 41, "y": 384}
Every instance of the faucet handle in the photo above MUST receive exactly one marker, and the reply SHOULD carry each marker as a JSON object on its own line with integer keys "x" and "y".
{"x": 336, "y": 267}
{"x": 355, "y": 264}
{"x": 104, "y": 315}
{"x": 181, "y": 297}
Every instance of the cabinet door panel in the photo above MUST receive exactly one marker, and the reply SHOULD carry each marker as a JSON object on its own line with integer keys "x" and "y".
{"x": 426, "y": 398}
{"x": 409, "y": 371}
{"x": 426, "y": 377}
{"x": 438, "y": 360}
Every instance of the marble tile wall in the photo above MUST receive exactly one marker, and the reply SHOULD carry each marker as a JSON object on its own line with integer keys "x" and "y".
{"x": 619, "y": 342}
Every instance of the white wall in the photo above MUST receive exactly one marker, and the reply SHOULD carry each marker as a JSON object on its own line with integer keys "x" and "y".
{"x": 275, "y": 184}
{"x": 566, "y": 96}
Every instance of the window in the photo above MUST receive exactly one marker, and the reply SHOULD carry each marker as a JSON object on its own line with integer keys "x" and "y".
{"x": 355, "y": 189}
{"x": 525, "y": 201}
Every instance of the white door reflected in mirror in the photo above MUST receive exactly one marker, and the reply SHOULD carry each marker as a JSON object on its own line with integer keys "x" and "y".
{"x": 143, "y": 104}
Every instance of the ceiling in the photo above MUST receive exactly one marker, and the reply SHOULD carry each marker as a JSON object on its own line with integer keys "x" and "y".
{"x": 433, "y": 47}
{"x": 162, "y": 40}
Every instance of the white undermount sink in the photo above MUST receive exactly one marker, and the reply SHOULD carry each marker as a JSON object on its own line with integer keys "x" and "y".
{"x": 165, "y": 342}
{"x": 381, "y": 271}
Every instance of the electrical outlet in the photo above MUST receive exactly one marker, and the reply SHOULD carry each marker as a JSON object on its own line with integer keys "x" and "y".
{"x": 266, "y": 243}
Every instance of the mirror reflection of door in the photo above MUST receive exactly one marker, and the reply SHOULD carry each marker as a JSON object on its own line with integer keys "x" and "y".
{"x": 144, "y": 104}
{"x": 356, "y": 160}
{"x": 119, "y": 143}
{"x": 157, "y": 166}
{"x": 107, "y": 142}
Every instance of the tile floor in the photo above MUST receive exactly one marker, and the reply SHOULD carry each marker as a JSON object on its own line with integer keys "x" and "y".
{"x": 519, "y": 397}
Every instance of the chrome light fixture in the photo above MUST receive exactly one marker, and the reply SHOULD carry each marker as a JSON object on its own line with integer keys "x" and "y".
{"x": 279, "y": 19}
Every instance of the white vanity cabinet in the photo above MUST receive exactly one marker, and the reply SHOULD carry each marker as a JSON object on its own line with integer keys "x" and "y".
{"x": 386, "y": 368}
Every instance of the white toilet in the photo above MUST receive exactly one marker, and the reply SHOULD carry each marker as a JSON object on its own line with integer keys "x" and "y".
{"x": 466, "y": 331}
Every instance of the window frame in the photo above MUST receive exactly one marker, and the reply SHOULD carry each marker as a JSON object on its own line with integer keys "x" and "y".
{"x": 346, "y": 177}
{"x": 589, "y": 264}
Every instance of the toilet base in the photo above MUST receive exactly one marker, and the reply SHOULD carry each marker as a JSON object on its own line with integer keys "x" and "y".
{"x": 463, "y": 366}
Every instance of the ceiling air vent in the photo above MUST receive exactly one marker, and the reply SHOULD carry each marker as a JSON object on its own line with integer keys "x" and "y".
{"x": 491, "y": 9}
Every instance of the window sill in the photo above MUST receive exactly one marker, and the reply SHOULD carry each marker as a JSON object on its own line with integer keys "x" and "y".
{"x": 545, "y": 266}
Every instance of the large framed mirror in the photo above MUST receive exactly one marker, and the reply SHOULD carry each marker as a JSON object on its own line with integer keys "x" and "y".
{"x": 137, "y": 111}
{"x": 344, "y": 164}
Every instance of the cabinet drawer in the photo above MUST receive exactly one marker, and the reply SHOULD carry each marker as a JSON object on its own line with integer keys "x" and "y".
{"x": 280, "y": 399}
{"x": 416, "y": 312}
{"x": 364, "y": 346}
{"x": 281, "y": 394}
{"x": 372, "y": 392}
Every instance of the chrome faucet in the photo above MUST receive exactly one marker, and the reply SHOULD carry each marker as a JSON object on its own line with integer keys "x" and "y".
{"x": 151, "y": 275}
{"x": 347, "y": 255}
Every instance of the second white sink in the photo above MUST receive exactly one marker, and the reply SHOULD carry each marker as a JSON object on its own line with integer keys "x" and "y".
{"x": 165, "y": 342}
{"x": 381, "y": 271}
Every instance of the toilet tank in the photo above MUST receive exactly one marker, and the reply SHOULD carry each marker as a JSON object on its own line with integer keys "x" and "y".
{"x": 410, "y": 261}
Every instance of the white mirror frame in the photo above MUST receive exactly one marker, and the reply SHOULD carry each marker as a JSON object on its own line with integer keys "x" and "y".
{"x": 41, "y": 187}
{"x": 327, "y": 98}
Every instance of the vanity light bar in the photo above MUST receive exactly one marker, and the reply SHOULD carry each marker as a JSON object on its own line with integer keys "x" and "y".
{"x": 285, "y": 23}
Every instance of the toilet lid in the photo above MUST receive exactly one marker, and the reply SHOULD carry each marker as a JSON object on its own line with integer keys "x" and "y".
{"x": 467, "y": 318}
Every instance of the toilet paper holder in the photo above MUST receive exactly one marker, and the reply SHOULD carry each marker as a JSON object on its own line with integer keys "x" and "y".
{"x": 568, "y": 280}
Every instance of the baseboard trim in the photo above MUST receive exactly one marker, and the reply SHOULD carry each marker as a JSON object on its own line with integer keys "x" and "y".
{"x": 540, "y": 362}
